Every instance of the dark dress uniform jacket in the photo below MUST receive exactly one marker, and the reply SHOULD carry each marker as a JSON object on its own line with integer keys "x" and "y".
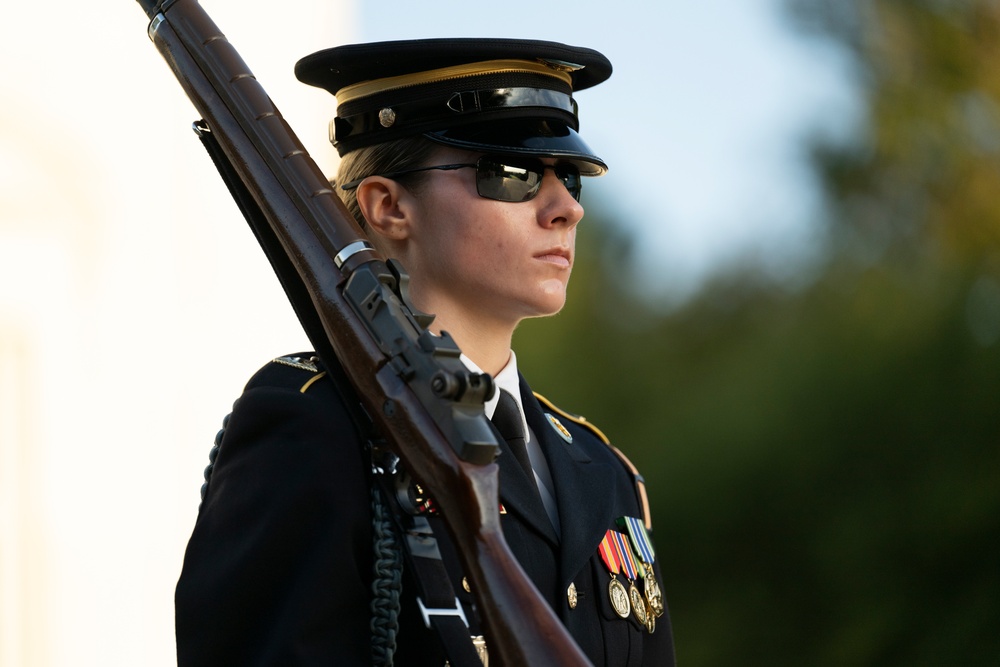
{"x": 278, "y": 570}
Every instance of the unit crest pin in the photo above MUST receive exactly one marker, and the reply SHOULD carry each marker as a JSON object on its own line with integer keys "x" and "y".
{"x": 559, "y": 428}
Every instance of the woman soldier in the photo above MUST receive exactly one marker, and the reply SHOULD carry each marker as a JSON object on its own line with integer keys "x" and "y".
{"x": 461, "y": 159}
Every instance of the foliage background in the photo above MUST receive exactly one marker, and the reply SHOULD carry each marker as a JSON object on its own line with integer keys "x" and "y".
{"x": 821, "y": 452}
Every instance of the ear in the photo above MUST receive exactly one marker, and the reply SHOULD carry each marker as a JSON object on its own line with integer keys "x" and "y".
{"x": 386, "y": 206}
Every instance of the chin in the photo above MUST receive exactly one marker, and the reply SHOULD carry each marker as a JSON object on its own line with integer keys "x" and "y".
{"x": 551, "y": 305}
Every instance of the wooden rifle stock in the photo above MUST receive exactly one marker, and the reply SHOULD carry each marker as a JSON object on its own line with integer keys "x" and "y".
{"x": 411, "y": 383}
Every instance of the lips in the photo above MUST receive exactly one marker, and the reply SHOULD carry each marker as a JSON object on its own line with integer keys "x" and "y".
{"x": 559, "y": 256}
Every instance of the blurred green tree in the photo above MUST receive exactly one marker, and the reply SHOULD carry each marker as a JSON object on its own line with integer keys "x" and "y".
{"x": 823, "y": 463}
{"x": 923, "y": 174}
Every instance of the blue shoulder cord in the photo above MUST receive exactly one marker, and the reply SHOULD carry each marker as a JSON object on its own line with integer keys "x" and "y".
{"x": 387, "y": 584}
{"x": 212, "y": 455}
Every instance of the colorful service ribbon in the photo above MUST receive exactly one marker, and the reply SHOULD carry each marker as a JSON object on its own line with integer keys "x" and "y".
{"x": 625, "y": 554}
{"x": 639, "y": 537}
{"x": 610, "y": 553}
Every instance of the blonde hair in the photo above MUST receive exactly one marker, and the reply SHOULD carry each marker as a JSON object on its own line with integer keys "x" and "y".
{"x": 382, "y": 159}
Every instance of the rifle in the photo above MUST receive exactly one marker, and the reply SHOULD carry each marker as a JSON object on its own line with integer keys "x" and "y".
{"x": 355, "y": 309}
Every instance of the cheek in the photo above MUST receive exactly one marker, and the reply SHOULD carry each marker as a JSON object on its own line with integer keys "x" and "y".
{"x": 460, "y": 248}
{"x": 487, "y": 239}
{"x": 471, "y": 240}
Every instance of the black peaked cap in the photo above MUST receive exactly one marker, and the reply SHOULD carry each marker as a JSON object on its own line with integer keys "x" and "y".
{"x": 507, "y": 96}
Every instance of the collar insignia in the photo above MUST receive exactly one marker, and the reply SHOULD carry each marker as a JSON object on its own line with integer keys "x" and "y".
{"x": 559, "y": 428}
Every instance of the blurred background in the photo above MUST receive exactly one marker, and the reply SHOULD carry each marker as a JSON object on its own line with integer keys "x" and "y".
{"x": 786, "y": 310}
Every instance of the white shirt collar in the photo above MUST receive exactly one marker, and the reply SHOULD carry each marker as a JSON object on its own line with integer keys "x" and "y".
{"x": 507, "y": 380}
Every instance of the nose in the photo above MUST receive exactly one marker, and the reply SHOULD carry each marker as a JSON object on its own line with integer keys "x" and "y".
{"x": 558, "y": 206}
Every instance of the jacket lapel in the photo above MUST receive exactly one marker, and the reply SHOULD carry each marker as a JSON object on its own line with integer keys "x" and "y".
{"x": 519, "y": 494}
{"x": 577, "y": 478}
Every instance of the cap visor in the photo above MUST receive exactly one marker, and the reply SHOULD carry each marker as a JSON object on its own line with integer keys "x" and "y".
{"x": 537, "y": 138}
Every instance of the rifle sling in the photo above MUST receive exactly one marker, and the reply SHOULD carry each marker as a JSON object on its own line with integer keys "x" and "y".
{"x": 435, "y": 595}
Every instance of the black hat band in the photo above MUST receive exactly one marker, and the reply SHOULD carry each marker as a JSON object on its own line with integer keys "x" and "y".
{"x": 424, "y": 114}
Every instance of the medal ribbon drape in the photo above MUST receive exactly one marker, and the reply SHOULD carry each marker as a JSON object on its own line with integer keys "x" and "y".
{"x": 617, "y": 593}
{"x": 628, "y": 562}
{"x": 609, "y": 554}
{"x": 640, "y": 538}
{"x": 644, "y": 550}
{"x": 638, "y": 605}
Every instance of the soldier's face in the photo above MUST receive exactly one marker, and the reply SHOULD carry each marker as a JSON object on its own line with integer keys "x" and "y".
{"x": 487, "y": 259}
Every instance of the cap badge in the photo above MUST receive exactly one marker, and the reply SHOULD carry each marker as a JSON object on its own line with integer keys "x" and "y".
{"x": 559, "y": 428}
{"x": 386, "y": 117}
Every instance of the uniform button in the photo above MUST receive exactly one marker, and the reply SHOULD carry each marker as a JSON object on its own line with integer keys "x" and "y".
{"x": 571, "y": 595}
{"x": 465, "y": 585}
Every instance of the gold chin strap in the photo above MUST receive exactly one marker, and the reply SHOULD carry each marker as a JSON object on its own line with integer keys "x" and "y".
{"x": 365, "y": 88}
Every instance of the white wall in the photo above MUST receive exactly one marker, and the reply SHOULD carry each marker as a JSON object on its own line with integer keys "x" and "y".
{"x": 134, "y": 304}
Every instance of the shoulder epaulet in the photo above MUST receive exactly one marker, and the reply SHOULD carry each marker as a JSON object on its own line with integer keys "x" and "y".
{"x": 307, "y": 364}
{"x": 576, "y": 419}
{"x": 640, "y": 483}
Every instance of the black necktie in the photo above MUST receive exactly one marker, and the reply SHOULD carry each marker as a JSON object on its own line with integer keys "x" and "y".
{"x": 507, "y": 419}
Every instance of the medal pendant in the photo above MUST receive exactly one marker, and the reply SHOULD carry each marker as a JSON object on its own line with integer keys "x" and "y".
{"x": 638, "y": 605}
{"x": 653, "y": 593}
{"x": 619, "y": 598}
{"x": 650, "y": 620}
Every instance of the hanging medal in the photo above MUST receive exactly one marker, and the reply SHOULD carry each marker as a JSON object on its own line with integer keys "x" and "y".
{"x": 643, "y": 546}
{"x": 610, "y": 554}
{"x": 629, "y": 569}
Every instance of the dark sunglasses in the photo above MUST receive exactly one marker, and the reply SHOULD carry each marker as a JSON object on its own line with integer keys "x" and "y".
{"x": 512, "y": 179}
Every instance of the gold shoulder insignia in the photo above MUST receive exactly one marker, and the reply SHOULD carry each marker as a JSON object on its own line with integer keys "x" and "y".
{"x": 302, "y": 364}
{"x": 299, "y": 362}
{"x": 640, "y": 483}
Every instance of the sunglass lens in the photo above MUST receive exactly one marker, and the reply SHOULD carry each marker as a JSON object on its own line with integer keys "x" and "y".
{"x": 570, "y": 176}
{"x": 506, "y": 180}
{"x": 514, "y": 180}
